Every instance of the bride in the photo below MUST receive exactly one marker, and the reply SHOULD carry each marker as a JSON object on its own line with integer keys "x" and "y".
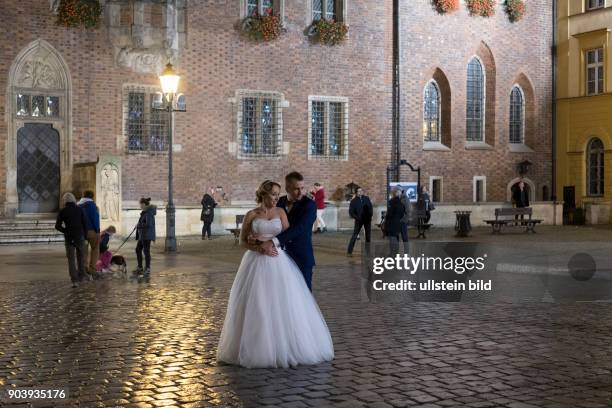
{"x": 272, "y": 318}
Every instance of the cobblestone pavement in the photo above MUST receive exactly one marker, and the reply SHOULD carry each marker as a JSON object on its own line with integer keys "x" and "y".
{"x": 116, "y": 343}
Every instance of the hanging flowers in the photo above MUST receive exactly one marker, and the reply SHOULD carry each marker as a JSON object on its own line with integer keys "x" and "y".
{"x": 446, "y": 6}
{"x": 483, "y": 8}
{"x": 262, "y": 28}
{"x": 328, "y": 32}
{"x": 79, "y": 13}
{"x": 515, "y": 10}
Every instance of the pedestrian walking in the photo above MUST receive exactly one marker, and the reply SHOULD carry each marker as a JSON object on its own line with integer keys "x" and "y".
{"x": 405, "y": 220}
{"x": 318, "y": 194}
{"x": 393, "y": 220}
{"x": 208, "y": 213}
{"x": 92, "y": 216}
{"x": 424, "y": 203}
{"x": 145, "y": 234}
{"x": 361, "y": 211}
{"x": 72, "y": 223}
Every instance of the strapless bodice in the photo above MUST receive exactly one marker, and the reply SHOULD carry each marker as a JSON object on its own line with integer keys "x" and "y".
{"x": 267, "y": 228}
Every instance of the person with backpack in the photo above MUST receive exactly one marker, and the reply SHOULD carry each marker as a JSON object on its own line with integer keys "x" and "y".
{"x": 208, "y": 213}
{"x": 71, "y": 222}
{"x": 145, "y": 234}
{"x": 92, "y": 216}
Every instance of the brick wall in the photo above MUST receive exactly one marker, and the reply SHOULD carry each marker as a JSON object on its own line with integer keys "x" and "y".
{"x": 432, "y": 41}
{"x": 217, "y": 62}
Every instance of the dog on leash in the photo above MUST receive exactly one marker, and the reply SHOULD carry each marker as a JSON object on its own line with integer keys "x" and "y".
{"x": 120, "y": 265}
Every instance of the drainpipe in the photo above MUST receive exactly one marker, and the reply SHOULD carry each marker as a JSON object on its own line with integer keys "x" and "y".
{"x": 554, "y": 111}
{"x": 395, "y": 150}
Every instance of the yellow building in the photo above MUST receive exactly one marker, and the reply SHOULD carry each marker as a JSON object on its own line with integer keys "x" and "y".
{"x": 584, "y": 107}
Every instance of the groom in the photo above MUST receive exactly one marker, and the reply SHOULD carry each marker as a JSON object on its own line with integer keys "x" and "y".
{"x": 297, "y": 240}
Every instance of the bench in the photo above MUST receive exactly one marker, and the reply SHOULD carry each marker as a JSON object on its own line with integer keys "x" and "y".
{"x": 502, "y": 220}
{"x": 236, "y": 231}
{"x": 421, "y": 223}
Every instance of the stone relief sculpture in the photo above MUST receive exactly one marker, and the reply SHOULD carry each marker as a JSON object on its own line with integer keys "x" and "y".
{"x": 37, "y": 73}
{"x": 54, "y": 6}
{"x": 111, "y": 192}
{"x": 143, "y": 61}
{"x": 143, "y": 46}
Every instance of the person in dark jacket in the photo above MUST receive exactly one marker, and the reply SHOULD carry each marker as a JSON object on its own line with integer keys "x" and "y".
{"x": 393, "y": 220}
{"x": 405, "y": 217}
{"x": 92, "y": 215}
{"x": 72, "y": 223}
{"x": 361, "y": 211}
{"x": 424, "y": 203}
{"x": 145, "y": 234}
{"x": 520, "y": 197}
{"x": 208, "y": 213}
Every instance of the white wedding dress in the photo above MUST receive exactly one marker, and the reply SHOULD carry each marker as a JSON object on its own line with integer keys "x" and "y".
{"x": 272, "y": 318}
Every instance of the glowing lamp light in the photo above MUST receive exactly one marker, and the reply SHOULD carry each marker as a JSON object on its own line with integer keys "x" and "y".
{"x": 169, "y": 80}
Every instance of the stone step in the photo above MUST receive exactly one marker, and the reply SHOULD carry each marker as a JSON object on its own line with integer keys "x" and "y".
{"x": 30, "y": 240}
{"x": 28, "y": 231}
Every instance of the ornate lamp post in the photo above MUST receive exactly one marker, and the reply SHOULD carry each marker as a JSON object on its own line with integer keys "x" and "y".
{"x": 169, "y": 80}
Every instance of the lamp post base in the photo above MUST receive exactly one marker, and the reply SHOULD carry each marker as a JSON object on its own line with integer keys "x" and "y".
{"x": 170, "y": 244}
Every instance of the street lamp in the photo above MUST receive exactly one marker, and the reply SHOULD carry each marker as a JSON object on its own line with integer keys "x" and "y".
{"x": 169, "y": 80}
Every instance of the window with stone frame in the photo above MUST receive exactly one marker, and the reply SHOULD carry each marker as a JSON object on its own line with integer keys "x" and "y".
{"x": 431, "y": 112}
{"x": 328, "y": 128}
{"x": 35, "y": 105}
{"x": 475, "y": 101}
{"x": 262, "y": 7}
{"x": 146, "y": 126}
{"x": 259, "y": 125}
{"x": 328, "y": 10}
{"x": 595, "y": 71}
{"x": 595, "y": 168}
{"x": 595, "y": 4}
{"x": 517, "y": 116}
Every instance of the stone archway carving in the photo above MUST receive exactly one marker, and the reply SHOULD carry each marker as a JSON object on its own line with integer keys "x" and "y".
{"x": 532, "y": 188}
{"x": 38, "y": 69}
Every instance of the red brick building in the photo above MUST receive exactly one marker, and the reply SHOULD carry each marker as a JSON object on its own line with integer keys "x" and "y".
{"x": 259, "y": 110}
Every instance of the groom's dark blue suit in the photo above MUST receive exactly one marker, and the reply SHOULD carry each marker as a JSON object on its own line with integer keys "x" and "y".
{"x": 297, "y": 239}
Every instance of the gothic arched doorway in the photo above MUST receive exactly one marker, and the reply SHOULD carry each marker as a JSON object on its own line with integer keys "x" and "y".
{"x": 39, "y": 161}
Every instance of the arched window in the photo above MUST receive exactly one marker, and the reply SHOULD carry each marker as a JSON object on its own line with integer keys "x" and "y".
{"x": 517, "y": 116}
{"x": 595, "y": 168}
{"x": 475, "y": 102}
{"x": 431, "y": 112}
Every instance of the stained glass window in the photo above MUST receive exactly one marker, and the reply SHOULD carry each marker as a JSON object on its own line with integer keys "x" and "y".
{"x": 38, "y": 105}
{"x": 261, "y": 7}
{"x": 317, "y": 9}
{"x": 475, "y": 102}
{"x": 23, "y": 105}
{"x": 517, "y": 116}
{"x": 431, "y": 113}
{"x": 53, "y": 106}
{"x": 327, "y": 9}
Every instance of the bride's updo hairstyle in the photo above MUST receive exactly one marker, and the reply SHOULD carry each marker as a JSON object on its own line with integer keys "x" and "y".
{"x": 265, "y": 190}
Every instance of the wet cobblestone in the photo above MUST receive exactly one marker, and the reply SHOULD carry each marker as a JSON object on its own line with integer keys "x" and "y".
{"x": 115, "y": 343}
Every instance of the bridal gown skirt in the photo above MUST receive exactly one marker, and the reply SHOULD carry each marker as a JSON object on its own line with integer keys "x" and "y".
{"x": 272, "y": 318}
